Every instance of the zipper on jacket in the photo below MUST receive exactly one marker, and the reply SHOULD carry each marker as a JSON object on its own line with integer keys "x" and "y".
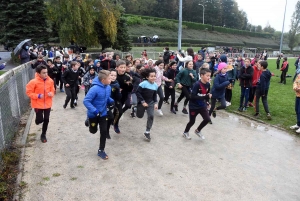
{"x": 44, "y": 94}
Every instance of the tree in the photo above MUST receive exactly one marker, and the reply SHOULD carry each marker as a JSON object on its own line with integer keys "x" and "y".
{"x": 295, "y": 27}
{"x": 269, "y": 29}
{"x": 123, "y": 41}
{"x": 259, "y": 29}
{"x": 23, "y": 19}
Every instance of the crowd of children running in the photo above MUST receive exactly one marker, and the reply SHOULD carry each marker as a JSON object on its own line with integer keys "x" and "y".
{"x": 113, "y": 86}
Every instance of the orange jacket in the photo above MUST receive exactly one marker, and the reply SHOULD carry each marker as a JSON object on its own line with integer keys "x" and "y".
{"x": 38, "y": 86}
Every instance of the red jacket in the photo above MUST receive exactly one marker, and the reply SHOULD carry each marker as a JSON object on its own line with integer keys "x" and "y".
{"x": 256, "y": 75}
{"x": 38, "y": 86}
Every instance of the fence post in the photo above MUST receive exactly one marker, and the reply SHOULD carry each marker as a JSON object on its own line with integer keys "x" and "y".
{"x": 13, "y": 98}
{"x": 1, "y": 132}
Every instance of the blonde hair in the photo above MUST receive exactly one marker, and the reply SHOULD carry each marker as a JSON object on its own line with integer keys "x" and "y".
{"x": 103, "y": 74}
{"x": 204, "y": 65}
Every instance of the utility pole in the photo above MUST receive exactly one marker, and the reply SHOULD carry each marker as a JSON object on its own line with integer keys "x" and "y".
{"x": 180, "y": 25}
{"x": 203, "y": 12}
{"x": 282, "y": 28}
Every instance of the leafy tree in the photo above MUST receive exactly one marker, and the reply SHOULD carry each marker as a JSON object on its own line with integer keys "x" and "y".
{"x": 269, "y": 29}
{"x": 212, "y": 12}
{"x": 295, "y": 27}
{"x": 123, "y": 41}
{"x": 259, "y": 29}
{"x": 23, "y": 19}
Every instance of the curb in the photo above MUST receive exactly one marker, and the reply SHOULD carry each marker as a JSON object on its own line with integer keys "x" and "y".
{"x": 22, "y": 143}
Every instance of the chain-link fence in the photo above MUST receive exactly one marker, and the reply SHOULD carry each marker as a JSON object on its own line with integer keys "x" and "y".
{"x": 13, "y": 101}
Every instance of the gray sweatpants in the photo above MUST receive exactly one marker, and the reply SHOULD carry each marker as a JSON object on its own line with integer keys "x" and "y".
{"x": 150, "y": 112}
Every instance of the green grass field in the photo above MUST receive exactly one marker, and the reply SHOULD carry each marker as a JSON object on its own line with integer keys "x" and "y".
{"x": 281, "y": 98}
{"x": 2, "y": 72}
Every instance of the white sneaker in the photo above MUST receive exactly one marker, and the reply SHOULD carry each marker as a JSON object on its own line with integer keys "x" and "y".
{"x": 227, "y": 104}
{"x": 298, "y": 130}
{"x": 199, "y": 134}
{"x": 294, "y": 127}
{"x": 160, "y": 112}
{"x": 186, "y": 135}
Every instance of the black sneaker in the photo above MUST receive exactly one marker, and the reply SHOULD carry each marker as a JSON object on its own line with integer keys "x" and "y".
{"x": 240, "y": 109}
{"x": 173, "y": 111}
{"x": 176, "y": 108}
{"x": 132, "y": 115}
{"x": 75, "y": 104}
{"x": 86, "y": 123}
{"x": 184, "y": 111}
{"x": 43, "y": 138}
{"x": 64, "y": 106}
{"x": 244, "y": 109}
{"x": 214, "y": 114}
{"x": 256, "y": 115}
{"x": 72, "y": 107}
{"x": 108, "y": 136}
{"x": 166, "y": 102}
{"x": 147, "y": 136}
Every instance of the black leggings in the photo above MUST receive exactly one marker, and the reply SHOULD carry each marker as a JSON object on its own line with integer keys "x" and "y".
{"x": 58, "y": 80}
{"x": 283, "y": 77}
{"x": 170, "y": 92}
{"x": 102, "y": 122}
{"x": 71, "y": 95}
{"x": 193, "y": 114}
{"x": 118, "y": 112}
{"x": 42, "y": 116}
{"x": 185, "y": 92}
{"x": 228, "y": 95}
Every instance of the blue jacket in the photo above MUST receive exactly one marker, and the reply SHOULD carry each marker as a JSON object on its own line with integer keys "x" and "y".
{"x": 97, "y": 98}
{"x": 220, "y": 84}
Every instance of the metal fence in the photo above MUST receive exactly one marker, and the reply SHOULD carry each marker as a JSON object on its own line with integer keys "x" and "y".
{"x": 13, "y": 101}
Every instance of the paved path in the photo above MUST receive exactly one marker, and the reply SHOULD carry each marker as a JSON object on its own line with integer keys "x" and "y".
{"x": 238, "y": 160}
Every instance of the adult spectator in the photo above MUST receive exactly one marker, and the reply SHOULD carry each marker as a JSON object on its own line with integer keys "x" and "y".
{"x": 24, "y": 53}
{"x": 202, "y": 52}
{"x": 166, "y": 56}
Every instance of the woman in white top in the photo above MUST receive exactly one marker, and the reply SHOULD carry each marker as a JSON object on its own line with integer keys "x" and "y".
{"x": 189, "y": 57}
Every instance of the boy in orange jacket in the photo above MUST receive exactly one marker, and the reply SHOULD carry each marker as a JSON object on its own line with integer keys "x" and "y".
{"x": 41, "y": 90}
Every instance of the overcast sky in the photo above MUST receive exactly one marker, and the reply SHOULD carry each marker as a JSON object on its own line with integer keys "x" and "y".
{"x": 260, "y": 12}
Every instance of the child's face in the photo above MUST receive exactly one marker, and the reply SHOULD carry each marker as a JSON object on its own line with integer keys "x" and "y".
{"x": 224, "y": 70}
{"x": 121, "y": 69}
{"x": 230, "y": 62}
{"x": 137, "y": 62}
{"x": 91, "y": 63}
{"x": 49, "y": 63}
{"x": 107, "y": 80}
{"x": 205, "y": 78}
{"x": 258, "y": 66}
{"x": 57, "y": 60}
{"x": 174, "y": 66}
{"x": 66, "y": 59}
{"x": 128, "y": 68}
{"x": 152, "y": 77}
{"x": 43, "y": 74}
{"x": 207, "y": 59}
{"x": 75, "y": 67}
{"x": 98, "y": 64}
{"x": 190, "y": 65}
{"x": 161, "y": 66}
{"x": 150, "y": 63}
{"x": 92, "y": 71}
{"x": 113, "y": 76}
{"x": 200, "y": 57}
{"x": 247, "y": 63}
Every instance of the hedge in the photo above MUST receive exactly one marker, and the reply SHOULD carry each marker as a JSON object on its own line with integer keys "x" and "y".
{"x": 199, "y": 26}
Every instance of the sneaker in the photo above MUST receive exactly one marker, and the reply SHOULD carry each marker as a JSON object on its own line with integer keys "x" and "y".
{"x": 166, "y": 102}
{"x": 256, "y": 115}
{"x": 176, "y": 108}
{"x": 173, "y": 111}
{"x": 269, "y": 117}
{"x": 227, "y": 104}
{"x": 240, "y": 109}
{"x": 108, "y": 136}
{"x": 43, "y": 138}
{"x": 160, "y": 112}
{"x": 132, "y": 115}
{"x": 210, "y": 122}
{"x": 198, "y": 133}
{"x": 298, "y": 130}
{"x": 72, "y": 107}
{"x": 214, "y": 114}
{"x": 62, "y": 90}
{"x": 64, "y": 106}
{"x": 294, "y": 127}
{"x": 86, "y": 123}
{"x": 75, "y": 103}
{"x": 102, "y": 154}
{"x": 117, "y": 130}
{"x": 250, "y": 105}
{"x": 147, "y": 136}
{"x": 184, "y": 111}
{"x": 244, "y": 109}
{"x": 186, "y": 135}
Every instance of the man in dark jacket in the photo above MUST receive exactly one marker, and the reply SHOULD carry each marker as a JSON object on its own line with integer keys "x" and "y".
{"x": 166, "y": 56}
{"x": 108, "y": 63}
{"x": 245, "y": 77}
{"x": 25, "y": 54}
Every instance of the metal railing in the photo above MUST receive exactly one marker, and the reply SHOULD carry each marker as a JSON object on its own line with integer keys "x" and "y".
{"x": 13, "y": 101}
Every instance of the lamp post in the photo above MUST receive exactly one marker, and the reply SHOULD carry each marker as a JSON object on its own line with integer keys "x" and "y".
{"x": 180, "y": 25}
{"x": 203, "y": 11}
{"x": 282, "y": 29}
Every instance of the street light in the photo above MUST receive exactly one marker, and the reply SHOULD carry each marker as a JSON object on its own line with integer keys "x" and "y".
{"x": 203, "y": 11}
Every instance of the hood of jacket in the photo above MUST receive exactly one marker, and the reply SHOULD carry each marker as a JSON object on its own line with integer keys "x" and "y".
{"x": 267, "y": 74}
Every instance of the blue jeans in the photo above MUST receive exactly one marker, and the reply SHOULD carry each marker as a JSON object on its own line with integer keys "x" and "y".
{"x": 244, "y": 94}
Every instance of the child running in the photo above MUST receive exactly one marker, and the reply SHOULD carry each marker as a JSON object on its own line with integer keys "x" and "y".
{"x": 96, "y": 102}
{"x": 170, "y": 86}
{"x": 40, "y": 90}
{"x": 218, "y": 90}
{"x": 198, "y": 104}
{"x": 185, "y": 79}
{"x": 147, "y": 100}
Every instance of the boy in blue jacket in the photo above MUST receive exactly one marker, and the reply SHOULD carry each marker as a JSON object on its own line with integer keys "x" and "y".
{"x": 96, "y": 101}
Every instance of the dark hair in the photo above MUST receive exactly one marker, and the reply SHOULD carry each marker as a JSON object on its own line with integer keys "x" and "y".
{"x": 190, "y": 52}
{"x": 127, "y": 62}
{"x": 158, "y": 62}
{"x": 203, "y": 71}
{"x": 120, "y": 62}
{"x": 167, "y": 48}
{"x": 138, "y": 67}
{"x": 58, "y": 57}
{"x": 146, "y": 72}
{"x": 187, "y": 63}
{"x": 39, "y": 68}
{"x": 49, "y": 60}
{"x": 264, "y": 64}
{"x": 113, "y": 70}
{"x": 134, "y": 61}
{"x": 285, "y": 58}
{"x": 40, "y": 56}
{"x": 172, "y": 63}
{"x": 247, "y": 59}
{"x": 66, "y": 56}
{"x": 73, "y": 63}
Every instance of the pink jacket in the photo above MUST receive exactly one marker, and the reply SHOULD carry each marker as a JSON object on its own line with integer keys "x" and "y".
{"x": 159, "y": 75}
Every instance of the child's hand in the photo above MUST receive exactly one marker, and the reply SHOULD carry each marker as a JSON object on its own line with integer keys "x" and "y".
{"x": 191, "y": 74}
{"x": 91, "y": 81}
{"x": 50, "y": 94}
{"x": 179, "y": 86}
{"x": 155, "y": 107}
{"x": 209, "y": 95}
{"x": 67, "y": 85}
{"x": 145, "y": 104}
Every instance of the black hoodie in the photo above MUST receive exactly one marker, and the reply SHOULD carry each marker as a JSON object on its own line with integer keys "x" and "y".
{"x": 264, "y": 82}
